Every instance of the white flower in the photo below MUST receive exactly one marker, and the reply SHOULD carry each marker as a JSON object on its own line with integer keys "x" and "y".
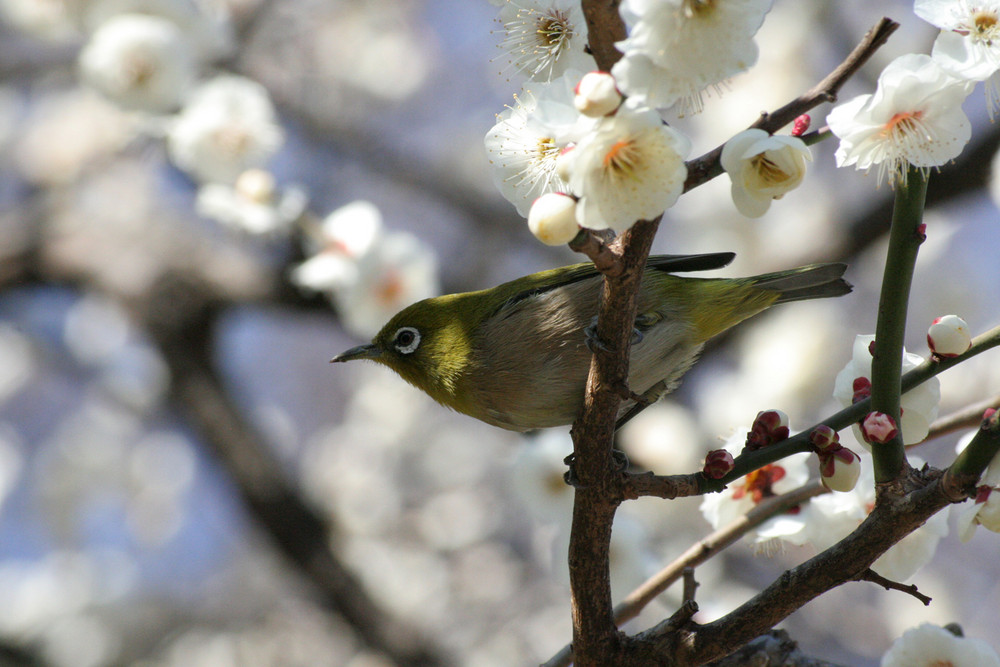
{"x": 552, "y": 219}
{"x": 763, "y": 168}
{"x": 742, "y": 495}
{"x": 140, "y": 62}
{"x": 840, "y": 470}
{"x": 948, "y": 336}
{"x": 528, "y": 138}
{"x": 39, "y": 18}
{"x": 544, "y": 38}
{"x": 984, "y": 509}
{"x": 678, "y": 48}
{"x": 931, "y": 646}
{"x": 227, "y": 127}
{"x": 969, "y": 43}
{"x": 629, "y": 167}
{"x": 368, "y": 274}
{"x": 834, "y": 516}
{"x": 253, "y": 205}
{"x": 919, "y": 405}
{"x": 914, "y": 118}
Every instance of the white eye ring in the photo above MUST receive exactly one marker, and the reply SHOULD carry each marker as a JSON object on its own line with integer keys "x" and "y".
{"x": 406, "y": 340}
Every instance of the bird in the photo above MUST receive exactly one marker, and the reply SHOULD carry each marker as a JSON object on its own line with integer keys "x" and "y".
{"x": 517, "y": 355}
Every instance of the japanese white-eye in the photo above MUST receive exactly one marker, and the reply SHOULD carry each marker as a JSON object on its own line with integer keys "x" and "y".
{"x": 516, "y": 355}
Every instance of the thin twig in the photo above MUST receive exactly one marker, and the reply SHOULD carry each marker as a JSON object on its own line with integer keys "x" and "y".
{"x": 890, "y": 585}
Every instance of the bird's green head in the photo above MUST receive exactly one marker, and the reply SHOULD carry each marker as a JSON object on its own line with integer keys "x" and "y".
{"x": 428, "y": 344}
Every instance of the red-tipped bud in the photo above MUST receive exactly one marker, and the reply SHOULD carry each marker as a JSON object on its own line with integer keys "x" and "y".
{"x": 801, "y": 125}
{"x": 823, "y": 439}
{"x": 871, "y": 348}
{"x": 862, "y": 389}
{"x": 769, "y": 427}
{"x": 948, "y": 336}
{"x": 552, "y": 218}
{"x": 878, "y": 428}
{"x": 839, "y": 470}
{"x": 718, "y": 464}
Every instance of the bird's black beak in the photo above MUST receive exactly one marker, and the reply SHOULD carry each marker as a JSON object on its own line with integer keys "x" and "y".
{"x": 368, "y": 351}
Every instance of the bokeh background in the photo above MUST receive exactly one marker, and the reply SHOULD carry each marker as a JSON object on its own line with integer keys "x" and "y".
{"x": 184, "y": 478}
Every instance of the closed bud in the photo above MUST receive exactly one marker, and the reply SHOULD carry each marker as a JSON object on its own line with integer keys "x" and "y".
{"x": 840, "y": 469}
{"x": 948, "y": 336}
{"x": 823, "y": 438}
{"x": 801, "y": 125}
{"x": 256, "y": 185}
{"x": 878, "y": 428}
{"x": 597, "y": 95}
{"x": 862, "y": 389}
{"x": 718, "y": 464}
{"x": 552, "y": 218}
{"x": 769, "y": 427}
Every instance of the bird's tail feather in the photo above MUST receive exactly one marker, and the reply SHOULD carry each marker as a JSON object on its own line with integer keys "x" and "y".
{"x": 814, "y": 281}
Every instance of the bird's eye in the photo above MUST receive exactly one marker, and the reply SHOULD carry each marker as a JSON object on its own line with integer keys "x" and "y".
{"x": 406, "y": 340}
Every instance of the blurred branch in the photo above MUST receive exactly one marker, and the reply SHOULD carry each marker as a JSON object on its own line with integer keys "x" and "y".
{"x": 968, "y": 417}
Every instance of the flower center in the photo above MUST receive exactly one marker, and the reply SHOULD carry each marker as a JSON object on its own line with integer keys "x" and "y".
{"x": 554, "y": 30}
{"x": 694, "y": 8}
{"x": 390, "y": 288}
{"x": 622, "y": 159}
{"x": 770, "y": 173}
{"x": 983, "y": 25}
{"x": 759, "y": 484}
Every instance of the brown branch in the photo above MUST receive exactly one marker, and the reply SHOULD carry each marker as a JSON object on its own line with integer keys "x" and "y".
{"x": 604, "y": 27}
{"x": 707, "y": 167}
{"x": 890, "y": 585}
{"x": 667, "y": 487}
{"x": 966, "y": 418}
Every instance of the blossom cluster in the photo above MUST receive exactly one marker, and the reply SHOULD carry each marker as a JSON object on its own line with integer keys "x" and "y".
{"x": 600, "y": 139}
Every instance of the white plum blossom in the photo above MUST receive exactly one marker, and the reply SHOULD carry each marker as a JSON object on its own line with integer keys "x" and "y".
{"x": 545, "y": 38}
{"x": 742, "y": 495}
{"x": 552, "y": 218}
{"x": 253, "y": 205}
{"x": 834, "y": 516}
{"x": 914, "y": 118}
{"x": 629, "y": 167}
{"x": 969, "y": 43}
{"x": 984, "y": 509}
{"x": 226, "y": 127}
{"x": 676, "y": 49}
{"x": 919, "y": 405}
{"x": 139, "y": 62}
{"x": 762, "y": 168}
{"x": 932, "y": 646}
{"x": 528, "y": 137}
{"x": 368, "y": 274}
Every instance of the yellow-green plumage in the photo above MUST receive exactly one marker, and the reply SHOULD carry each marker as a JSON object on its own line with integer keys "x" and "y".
{"x": 515, "y": 355}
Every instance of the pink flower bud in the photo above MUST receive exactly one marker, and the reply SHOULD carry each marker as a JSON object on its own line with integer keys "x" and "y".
{"x": 839, "y": 470}
{"x": 597, "y": 95}
{"x": 948, "y": 336}
{"x": 878, "y": 428}
{"x": 718, "y": 464}
{"x": 552, "y": 218}
{"x": 769, "y": 427}
{"x": 823, "y": 438}
{"x": 801, "y": 125}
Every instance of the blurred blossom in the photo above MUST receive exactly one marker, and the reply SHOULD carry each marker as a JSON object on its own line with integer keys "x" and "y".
{"x": 226, "y": 127}
{"x": 46, "y": 19}
{"x": 833, "y": 516}
{"x": 17, "y": 361}
{"x": 205, "y": 25}
{"x": 137, "y": 376}
{"x": 368, "y": 274}
{"x": 677, "y": 49}
{"x": 536, "y": 476}
{"x": 931, "y": 646}
{"x": 65, "y": 133}
{"x": 919, "y": 406}
{"x": 742, "y": 495}
{"x": 140, "y": 62}
{"x": 11, "y": 460}
{"x": 528, "y": 137}
{"x": 253, "y": 205}
{"x": 544, "y": 38}
{"x": 984, "y": 508}
{"x": 457, "y": 519}
{"x": 664, "y": 438}
{"x": 96, "y": 329}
